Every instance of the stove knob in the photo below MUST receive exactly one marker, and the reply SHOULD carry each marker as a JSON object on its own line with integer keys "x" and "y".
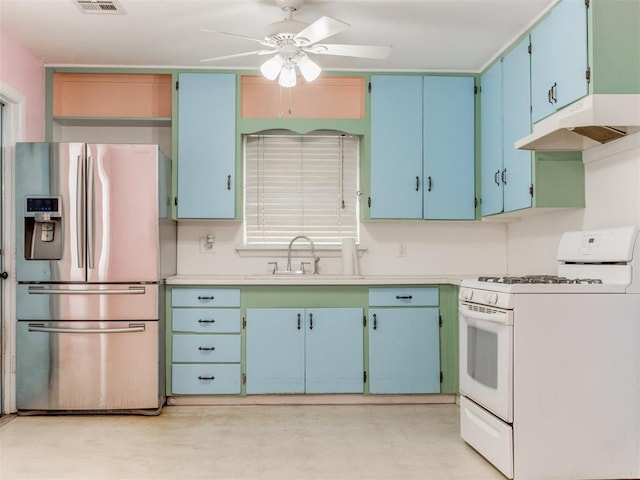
{"x": 491, "y": 298}
{"x": 466, "y": 294}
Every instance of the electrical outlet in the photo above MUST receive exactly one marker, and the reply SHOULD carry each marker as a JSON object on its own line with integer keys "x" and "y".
{"x": 402, "y": 250}
{"x": 207, "y": 244}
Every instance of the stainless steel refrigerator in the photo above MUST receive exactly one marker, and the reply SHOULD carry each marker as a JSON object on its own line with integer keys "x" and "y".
{"x": 94, "y": 243}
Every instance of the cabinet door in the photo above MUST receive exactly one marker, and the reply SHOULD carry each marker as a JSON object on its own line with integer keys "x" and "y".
{"x": 516, "y": 85}
{"x": 542, "y": 74}
{"x": 396, "y": 146}
{"x": 275, "y": 350}
{"x": 334, "y": 350}
{"x": 206, "y": 145}
{"x": 404, "y": 350}
{"x": 449, "y": 148}
{"x": 491, "y": 143}
{"x": 570, "y": 51}
{"x": 559, "y": 58}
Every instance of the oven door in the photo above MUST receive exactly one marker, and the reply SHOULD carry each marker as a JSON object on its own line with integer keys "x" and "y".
{"x": 486, "y": 357}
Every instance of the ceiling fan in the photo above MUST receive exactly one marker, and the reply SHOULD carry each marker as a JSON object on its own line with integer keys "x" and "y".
{"x": 291, "y": 42}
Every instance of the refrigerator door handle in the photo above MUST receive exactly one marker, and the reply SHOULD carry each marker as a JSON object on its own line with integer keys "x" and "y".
{"x": 132, "y": 328}
{"x": 90, "y": 215}
{"x": 80, "y": 203}
{"x": 39, "y": 290}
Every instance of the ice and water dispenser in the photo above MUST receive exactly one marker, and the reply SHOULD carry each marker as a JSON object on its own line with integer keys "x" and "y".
{"x": 43, "y": 228}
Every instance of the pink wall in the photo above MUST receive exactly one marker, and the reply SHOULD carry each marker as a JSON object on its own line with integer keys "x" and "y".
{"x": 24, "y": 73}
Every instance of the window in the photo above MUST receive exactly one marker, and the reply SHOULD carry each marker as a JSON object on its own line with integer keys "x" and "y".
{"x": 300, "y": 185}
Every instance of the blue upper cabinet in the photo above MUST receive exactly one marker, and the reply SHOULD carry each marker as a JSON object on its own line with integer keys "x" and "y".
{"x": 396, "y": 146}
{"x": 491, "y": 143}
{"x": 516, "y": 115}
{"x": 505, "y": 118}
{"x": 449, "y": 147}
{"x": 422, "y": 147}
{"x": 206, "y": 145}
{"x": 559, "y": 60}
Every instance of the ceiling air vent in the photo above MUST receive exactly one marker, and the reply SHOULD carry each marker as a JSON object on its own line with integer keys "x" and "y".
{"x": 100, "y": 6}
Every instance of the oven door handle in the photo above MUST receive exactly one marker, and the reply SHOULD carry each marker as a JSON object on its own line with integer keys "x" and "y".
{"x": 499, "y": 316}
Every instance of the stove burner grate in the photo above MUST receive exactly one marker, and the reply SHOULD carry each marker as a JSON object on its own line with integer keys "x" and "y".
{"x": 538, "y": 279}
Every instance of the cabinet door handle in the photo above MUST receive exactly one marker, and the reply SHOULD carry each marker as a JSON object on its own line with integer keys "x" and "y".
{"x": 417, "y": 183}
{"x": 206, "y": 377}
{"x": 549, "y": 96}
{"x": 228, "y": 182}
{"x": 206, "y": 321}
{"x": 205, "y": 298}
{"x": 495, "y": 177}
{"x": 404, "y": 297}
{"x": 298, "y": 321}
{"x": 429, "y": 184}
{"x": 206, "y": 349}
{"x": 375, "y": 321}
{"x": 311, "y": 321}
{"x": 504, "y": 176}
{"x": 554, "y": 96}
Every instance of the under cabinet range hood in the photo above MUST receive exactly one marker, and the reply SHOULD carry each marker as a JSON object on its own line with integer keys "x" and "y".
{"x": 591, "y": 121}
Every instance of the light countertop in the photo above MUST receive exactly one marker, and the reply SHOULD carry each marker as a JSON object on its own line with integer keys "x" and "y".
{"x": 308, "y": 279}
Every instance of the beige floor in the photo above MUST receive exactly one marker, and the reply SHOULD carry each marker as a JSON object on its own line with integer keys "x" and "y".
{"x": 301, "y": 442}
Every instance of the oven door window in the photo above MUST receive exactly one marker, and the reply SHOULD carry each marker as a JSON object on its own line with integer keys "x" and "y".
{"x": 482, "y": 356}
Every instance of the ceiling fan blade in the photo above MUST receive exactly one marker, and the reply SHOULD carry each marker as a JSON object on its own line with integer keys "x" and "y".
{"x": 365, "y": 51}
{"x": 259, "y": 40}
{"x": 238, "y": 55}
{"x": 322, "y": 28}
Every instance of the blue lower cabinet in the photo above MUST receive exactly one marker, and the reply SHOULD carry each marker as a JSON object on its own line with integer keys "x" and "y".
{"x": 404, "y": 350}
{"x": 205, "y": 379}
{"x": 404, "y": 340}
{"x": 298, "y": 350}
{"x": 206, "y": 341}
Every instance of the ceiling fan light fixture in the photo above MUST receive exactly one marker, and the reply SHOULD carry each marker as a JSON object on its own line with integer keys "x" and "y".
{"x": 309, "y": 69}
{"x": 287, "y": 76}
{"x": 272, "y": 67}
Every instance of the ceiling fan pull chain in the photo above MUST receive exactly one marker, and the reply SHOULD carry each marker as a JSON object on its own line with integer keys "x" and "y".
{"x": 290, "y": 102}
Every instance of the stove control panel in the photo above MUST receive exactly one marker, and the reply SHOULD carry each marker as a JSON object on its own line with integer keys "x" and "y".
{"x": 615, "y": 245}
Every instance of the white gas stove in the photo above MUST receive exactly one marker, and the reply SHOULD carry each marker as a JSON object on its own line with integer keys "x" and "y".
{"x": 550, "y": 364}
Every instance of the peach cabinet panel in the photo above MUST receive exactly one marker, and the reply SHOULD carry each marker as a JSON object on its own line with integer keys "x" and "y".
{"x": 111, "y": 95}
{"x": 326, "y": 97}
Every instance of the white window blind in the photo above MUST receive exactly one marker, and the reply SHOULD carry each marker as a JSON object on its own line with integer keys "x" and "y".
{"x": 300, "y": 185}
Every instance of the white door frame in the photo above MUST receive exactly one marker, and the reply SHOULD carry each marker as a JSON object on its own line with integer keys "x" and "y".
{"x": 14, "y": 122}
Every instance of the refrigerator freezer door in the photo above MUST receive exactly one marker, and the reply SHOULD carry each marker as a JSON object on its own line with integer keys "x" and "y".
{"x": 52, "y": 170}
{"x": 87, "y": 366}
{"x": 122, "y": 213}
{"x": 87, "y": 302}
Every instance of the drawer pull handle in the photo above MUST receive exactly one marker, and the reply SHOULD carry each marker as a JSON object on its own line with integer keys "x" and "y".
{"x": 375, "y": 321}
{"x": 201, "y": 297}
{"x": 311, "y": 321}
{"x": 205, "y": 377}
{"x": 298, "y": 321}
{"x": 404, "y": 297}
{"x": 206, "y": 321}
{"x": 207, "y": 349}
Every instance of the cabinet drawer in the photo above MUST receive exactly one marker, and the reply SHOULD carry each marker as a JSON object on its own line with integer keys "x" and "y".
{"x": 205, "y": 297}
{"x": 205, "y": 379}
{"x": 403, "y": 296}
{"x": 206, "y": 348}
{"x": 206, "y": 320}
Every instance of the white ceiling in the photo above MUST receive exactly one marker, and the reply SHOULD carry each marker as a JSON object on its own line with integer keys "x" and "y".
{"x": 426, "y": 35}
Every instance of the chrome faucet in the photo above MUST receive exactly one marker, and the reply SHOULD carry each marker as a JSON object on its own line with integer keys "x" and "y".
{"x": 316, "y": 259}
